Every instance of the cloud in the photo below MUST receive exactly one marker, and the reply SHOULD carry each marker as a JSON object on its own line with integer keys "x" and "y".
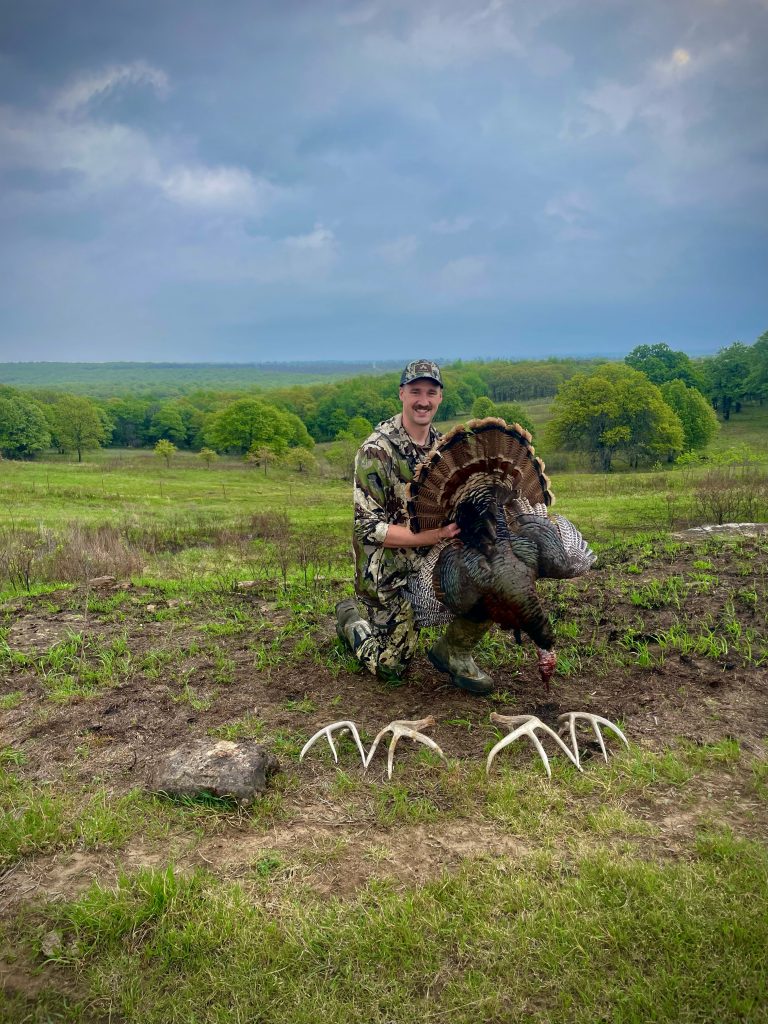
{"x": 104, "y": 155}
{"x": 219, "y": 188}
{"x": 398, "y": 250}
{"x": 439, "y": 37}
{"x": 318, "y": 240}
{"x": 86, "y": 88}
{"x": 572, "y": 213}
{"x": 657, "y": 97}
{"x": 452, "y": 225}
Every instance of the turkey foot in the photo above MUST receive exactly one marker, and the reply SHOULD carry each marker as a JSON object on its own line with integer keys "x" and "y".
{"x": 327, "y": 730}
{"x": 404, "y": 728}
{"x": 568, "y": 725}
{"x": 526, "y": 725}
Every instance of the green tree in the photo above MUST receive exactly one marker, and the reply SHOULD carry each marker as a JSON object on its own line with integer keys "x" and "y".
{"x": 513, "y": 412}
{"x": 250, "y": 423}
{"x": 208, "y": 455}
{"x": 728, "y": 375}
{"x": 23, "y": 428}
{"x": 301, "y": 460}
{"x": 130, "y": 421}
{"x": 78, "y": 425}
{"x": 359, "y": 427}
{"x": 699, "y": 421}
{"x": 342, "y": 452}
{"x": 165, "y": 449}
{"x": 758, "y": 378}
{"x": 510, "y": 412}
{"x": 168, "y": 423}
{"x": 614, "y": 410}
{"x": 482, "y": 407}
{"x": 660, "y": 364}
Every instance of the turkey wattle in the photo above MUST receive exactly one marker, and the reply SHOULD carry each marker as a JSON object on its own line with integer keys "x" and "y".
{"x": 485, "y": 477}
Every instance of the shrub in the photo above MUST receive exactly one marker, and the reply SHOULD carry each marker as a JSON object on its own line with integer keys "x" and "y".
{"x": 733, "y": 494}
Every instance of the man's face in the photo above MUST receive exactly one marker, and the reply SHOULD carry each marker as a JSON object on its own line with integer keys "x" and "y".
{"x": 420, "y": 400}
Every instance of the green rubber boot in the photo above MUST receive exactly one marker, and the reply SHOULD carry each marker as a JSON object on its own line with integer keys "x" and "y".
{"x": 453, "y": 654}
{"x": 351, "y": 628}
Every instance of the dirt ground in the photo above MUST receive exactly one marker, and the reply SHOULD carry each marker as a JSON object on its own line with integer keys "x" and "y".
{"x": 115, "y": 736}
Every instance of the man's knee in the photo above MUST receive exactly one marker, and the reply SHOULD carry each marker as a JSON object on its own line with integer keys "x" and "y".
{"x": 392, "y": 644}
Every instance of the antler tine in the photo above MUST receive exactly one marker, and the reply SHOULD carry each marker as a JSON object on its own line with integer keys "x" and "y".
{"x": 526, "y": 725}
{"x": 327, "y": 730}
{"x": 410, "y": 729}
{"x": 568, "y": 722}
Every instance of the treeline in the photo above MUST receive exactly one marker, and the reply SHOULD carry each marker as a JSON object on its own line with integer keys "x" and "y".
{"x": 278, "y": 419}
{"x": 248, "y": 419}
{"x": 174, "y": 380}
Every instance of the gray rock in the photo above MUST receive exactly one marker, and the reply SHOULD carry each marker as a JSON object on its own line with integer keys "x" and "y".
{"x": 225, "y": 769}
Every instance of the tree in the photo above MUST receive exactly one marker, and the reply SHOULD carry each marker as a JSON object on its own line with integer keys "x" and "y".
{"x": 130, "y": 421}
{"x": 165, "y": 449}
{"x": 510, "y": 412}
{"x": 660, "y": 364}
{"x": 249, "y": 423}
{"x": 359, "y": 427}
{"x": 168, "y": 423}
{"x": 614, "y": 409}
{"x": 78, "y": 425}
{"x": 699, "y": 421}
{"x": 758, "y": 378}
{"x": 263, "y": 455}
{"x": 513, "y": 412}
{"x": 728, "y": 376}
{"x": 482, "y": 407}
{"x": 300, "y": 459}
{"x": 342, "y": 454}
{"x": 23, "y": 427}
{"x": 208, "y": 455}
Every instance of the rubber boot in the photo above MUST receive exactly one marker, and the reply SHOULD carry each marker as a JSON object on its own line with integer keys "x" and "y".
{"x": 453, "y": 654}
{"x": 351, "y": 628}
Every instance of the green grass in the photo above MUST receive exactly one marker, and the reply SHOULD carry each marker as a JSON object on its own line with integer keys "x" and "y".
{"x": 132, "y": 488}
{"x": 600, "y": 925}
{"x": 602, "y": 938}
{"x": 36, "y": 819}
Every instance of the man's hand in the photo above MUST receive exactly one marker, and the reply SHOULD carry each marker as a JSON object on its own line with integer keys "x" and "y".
{"x": 404, "y": 537}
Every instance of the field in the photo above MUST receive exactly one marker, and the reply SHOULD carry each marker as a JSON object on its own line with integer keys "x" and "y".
{"x": 633, "y": 891}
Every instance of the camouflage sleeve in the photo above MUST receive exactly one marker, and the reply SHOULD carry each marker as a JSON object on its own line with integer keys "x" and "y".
{"x": 372, "y": 468}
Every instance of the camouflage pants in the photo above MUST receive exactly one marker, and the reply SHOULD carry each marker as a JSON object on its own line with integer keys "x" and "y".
{"x": 393, "y": 639}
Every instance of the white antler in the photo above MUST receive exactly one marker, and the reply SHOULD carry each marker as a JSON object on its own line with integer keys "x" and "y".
{"x": 404, "y": 728}
{"x": 327, "y": 730}
{"x": 568, "y": 724}
{"x": 526, "y": 725}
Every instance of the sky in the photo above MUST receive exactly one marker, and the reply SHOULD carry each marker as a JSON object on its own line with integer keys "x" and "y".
{"x": 190, "y": 180}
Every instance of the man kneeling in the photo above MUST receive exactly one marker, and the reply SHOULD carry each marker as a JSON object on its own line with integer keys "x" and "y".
{"x": 379, "y": 627}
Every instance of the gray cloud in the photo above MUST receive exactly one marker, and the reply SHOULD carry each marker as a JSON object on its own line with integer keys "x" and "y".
{"x": 172, "y": 176}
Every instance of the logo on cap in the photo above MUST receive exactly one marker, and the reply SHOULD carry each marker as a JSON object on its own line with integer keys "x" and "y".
{"x": 420, "y": 368}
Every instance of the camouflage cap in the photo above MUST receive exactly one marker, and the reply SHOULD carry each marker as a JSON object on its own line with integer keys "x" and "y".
{"x": 420, "y": 368}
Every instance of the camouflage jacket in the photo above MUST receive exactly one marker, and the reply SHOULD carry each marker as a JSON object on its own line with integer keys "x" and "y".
{"x": 384, "y": 464}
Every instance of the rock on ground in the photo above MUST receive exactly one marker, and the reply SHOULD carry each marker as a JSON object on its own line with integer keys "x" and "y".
{"x": 240, "y": 771}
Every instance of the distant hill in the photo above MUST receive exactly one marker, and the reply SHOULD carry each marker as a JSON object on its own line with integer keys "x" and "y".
{"x": 103, "y": 379}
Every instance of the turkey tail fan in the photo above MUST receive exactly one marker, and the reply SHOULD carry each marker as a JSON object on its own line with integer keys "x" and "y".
{"x": 482, "y": 455}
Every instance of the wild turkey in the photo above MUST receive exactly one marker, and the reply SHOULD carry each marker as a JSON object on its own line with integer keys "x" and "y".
{"x": 486, "y": 477}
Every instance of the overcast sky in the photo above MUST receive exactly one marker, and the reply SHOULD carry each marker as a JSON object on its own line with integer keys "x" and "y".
{"x": 225, "y": 181}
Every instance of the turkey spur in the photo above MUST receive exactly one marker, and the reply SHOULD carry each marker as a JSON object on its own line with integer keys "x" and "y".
{"x": 485, "y": 477}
